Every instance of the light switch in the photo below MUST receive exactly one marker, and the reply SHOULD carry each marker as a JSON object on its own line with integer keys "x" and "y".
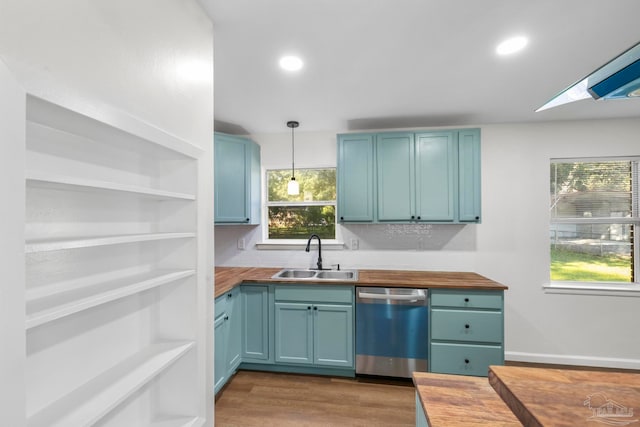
{"x": 241, "y": 243}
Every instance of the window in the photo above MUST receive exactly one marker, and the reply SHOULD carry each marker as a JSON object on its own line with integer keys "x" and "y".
{"x": 594, "y": 218}
{"x": 312, "y": 211}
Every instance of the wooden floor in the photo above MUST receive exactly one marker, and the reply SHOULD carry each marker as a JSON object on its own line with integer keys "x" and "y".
{"x": 268, "y": 399}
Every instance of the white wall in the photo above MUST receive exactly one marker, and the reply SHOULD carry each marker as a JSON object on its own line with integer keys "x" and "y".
{"x": 511, "y": 245}
{"x": 152, "y": 59}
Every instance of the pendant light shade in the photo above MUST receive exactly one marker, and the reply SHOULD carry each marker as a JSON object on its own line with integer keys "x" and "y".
{"x": 293, "y": 188}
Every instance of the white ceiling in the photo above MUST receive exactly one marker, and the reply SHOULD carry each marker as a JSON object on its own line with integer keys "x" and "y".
{"x": 375, "y": 64}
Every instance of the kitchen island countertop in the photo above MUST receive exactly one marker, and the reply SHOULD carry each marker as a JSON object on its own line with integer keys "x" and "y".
{"x": 567, "y": 397}
{"x": 226, "y": 278}
{"x": 461, "y": 401}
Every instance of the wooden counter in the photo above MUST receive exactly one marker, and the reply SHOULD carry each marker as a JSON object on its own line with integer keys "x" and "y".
{"x": 227, "y": 278}
{"x": 564, "y": 397}
{"x": 461, "y": 401}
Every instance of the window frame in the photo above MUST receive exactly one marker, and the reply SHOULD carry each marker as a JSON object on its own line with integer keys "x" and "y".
{"x": 602, "y": 287}
{"x": 284, "y": 244}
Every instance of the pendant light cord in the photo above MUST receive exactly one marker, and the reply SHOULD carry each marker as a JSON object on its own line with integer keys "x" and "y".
{"x": 293, "y": 156}
{"x": 293, "y": 124}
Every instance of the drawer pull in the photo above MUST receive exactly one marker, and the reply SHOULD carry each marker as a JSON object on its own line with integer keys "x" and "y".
{"x": 466, "y": 361}
{"x": 466, "y": 300}
{"x": 466, "y": 326}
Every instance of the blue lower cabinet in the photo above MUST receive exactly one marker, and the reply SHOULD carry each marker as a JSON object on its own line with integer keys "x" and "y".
{"x": 333, "y": 335}
{"x": 314, "y": 334}
{"x": 227, "y": 337}
{"x": 294, "y": 333}
{"x": 317, "y": 332}
{"x": 256, "y": 324}
{"x": 464, "y": 359}
{"x": 234, "y": 332}
{"x": 466, "y": 331}
{"x": 220, "y": 364}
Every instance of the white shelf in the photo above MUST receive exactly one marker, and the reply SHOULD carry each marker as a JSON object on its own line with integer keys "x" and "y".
{"x": 93, "y": 400}
{"x": 105, "y": 125}
{"x": 48, "y": 180}
{"x": 88, "y": 242}
{"x": 56, "y": 301}
{"x": 179, "y": 422}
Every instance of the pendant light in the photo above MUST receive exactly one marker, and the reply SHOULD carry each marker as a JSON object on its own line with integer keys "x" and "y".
{"x": 293, "y": 188}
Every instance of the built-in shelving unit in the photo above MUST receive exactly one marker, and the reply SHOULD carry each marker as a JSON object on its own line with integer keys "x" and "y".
{"x": 113, "y": 319}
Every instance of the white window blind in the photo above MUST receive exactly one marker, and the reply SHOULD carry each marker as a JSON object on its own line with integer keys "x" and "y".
{"x": 594, "y": 215}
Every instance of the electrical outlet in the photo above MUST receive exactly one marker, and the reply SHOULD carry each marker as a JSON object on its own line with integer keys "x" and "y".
{"x": 241, "y": 243}
{"x": 355, "y": 244}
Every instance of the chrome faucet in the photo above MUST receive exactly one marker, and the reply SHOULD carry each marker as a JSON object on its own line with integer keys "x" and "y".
{"x": 319, "y": 263}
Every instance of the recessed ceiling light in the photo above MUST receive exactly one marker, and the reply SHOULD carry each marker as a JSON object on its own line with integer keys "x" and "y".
{"x": 291, "y": 63}
{"x": 511, "y": 45}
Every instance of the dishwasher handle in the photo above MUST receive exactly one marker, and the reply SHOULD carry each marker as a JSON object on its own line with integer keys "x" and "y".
{"x": 420, "y": 297}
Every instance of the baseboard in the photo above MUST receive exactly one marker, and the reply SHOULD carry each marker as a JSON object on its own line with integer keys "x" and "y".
{"x": 559, "y": 359}
{"x": 294, "y": 369}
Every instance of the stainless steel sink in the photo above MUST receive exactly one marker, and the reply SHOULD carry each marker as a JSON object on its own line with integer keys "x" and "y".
{"x": 317, "y": 275}
{"x": 337, "y": 275}
{"x": 295, "y": 274}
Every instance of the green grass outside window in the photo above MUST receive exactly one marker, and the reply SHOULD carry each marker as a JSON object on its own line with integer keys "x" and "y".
{"x": 580, "y": 267}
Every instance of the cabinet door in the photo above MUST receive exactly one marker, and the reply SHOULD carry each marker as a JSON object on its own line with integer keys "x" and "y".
{"x": 231, "y": 183}
{"x": 333, "y": 335}
{"x": 355, "y": 178}
{"x": 219, "y": 356}
{"x": 294, "y": 333}
{"x": 234, "y": 331}
{"x": 469, "y": 175}
{"x": 255, "y": 325}
{"x": 395, "y": 177}
{"x": 435, "y": 166}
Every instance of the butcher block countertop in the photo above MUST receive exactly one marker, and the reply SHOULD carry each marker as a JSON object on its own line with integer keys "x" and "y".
{"x": 564, "y": 397}
{"x": 461, "y": 401}
{"x": 514, "y": 396}
{"x": 226, "y": 278}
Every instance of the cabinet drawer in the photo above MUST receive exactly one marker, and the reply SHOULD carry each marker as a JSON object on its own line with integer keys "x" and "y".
{"x": 466, "y": 325}
{"x": 464, "y": 359}
{"x": 466, "y": 299}
{"x": 319, "y": 293}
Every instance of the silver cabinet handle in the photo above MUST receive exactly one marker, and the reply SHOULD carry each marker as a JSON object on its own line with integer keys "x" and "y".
{"x": 419, "y": 297}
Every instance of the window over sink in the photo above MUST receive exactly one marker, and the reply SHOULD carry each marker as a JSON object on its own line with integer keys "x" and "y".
{"x": 594, "y": 218}
{"x": 313, "y": 211}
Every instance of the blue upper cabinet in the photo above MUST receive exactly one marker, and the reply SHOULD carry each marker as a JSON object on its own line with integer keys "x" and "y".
{"x": 469, "y": 175}
{"x": 236, "y": 180}
{"x": 356, "y": 174}
{"x": 396, "y": 182}
{"x": 430, "y": 176}
{"x": 435, "y": 176}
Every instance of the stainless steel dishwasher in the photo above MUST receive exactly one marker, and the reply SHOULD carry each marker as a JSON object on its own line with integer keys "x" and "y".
{"x": 391, "y": 331}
